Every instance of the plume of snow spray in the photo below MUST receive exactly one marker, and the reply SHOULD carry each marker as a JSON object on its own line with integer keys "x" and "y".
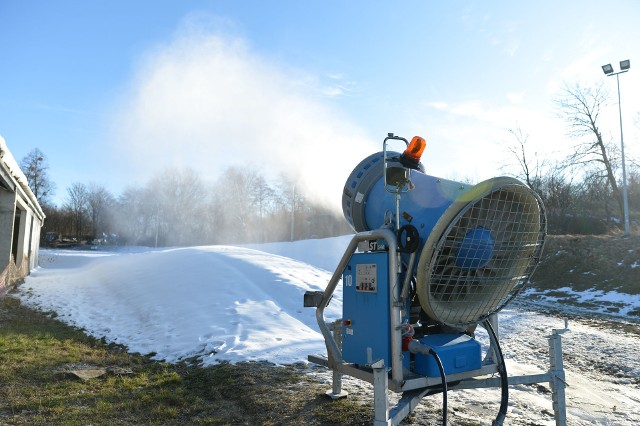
{"x": 207, "y": 101}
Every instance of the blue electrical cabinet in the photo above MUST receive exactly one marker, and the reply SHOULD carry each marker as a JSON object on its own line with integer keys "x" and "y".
{"x": 366, "y": 319}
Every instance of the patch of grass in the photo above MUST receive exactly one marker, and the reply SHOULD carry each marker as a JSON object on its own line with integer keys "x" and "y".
{"x": 584, "y": 262}
{"x": 635, "y": 313}
{"x": 37, "y": 389}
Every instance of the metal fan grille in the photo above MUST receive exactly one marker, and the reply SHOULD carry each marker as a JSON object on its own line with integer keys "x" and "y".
{"x": 485, "y": 256}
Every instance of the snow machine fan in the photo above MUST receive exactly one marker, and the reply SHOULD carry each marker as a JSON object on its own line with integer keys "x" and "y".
{"x": 481, "y": 252}
{"x": 479, "y": 244}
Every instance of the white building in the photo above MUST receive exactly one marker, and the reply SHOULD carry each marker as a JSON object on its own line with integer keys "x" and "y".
{"x": 21, "y": 218}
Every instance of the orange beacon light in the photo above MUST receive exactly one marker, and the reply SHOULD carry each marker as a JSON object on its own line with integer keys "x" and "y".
{"x": 411, "y": 156}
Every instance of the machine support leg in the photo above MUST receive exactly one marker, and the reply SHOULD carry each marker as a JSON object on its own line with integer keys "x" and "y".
{"x": 558, "y": 382}
{"x": 336, "y": 391}
{"x": 380, "y": 398}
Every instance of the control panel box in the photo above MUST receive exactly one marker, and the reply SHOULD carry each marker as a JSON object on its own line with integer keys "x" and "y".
{"x": 366, "y": 309}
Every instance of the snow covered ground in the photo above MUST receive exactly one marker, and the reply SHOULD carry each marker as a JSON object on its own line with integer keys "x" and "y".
{"x": 245, "y": 303}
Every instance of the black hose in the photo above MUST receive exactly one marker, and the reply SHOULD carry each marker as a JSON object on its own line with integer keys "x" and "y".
{"x": 444, "y": 386}
{"x": 502, "y": 370}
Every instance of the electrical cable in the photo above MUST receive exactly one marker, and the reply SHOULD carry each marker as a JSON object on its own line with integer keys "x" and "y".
{"x": 408, "y": 276}
{"x": 444, "y": 385}
{"x": 502, "y": 370}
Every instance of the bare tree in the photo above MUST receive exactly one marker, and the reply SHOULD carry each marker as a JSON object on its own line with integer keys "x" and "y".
{"x": 530, "y": 168}
{"x": 262, "y": 198}
{"x": 291, "y": 200}
{"x": 559, "y": 196}
{"x": 99, "y": 202}
{"x": 34, "y": 166}
{"x": 76, "y": 202}
{"x": 133, "y": 217}
{"x": 235, "y": 194}
{"x": 581, "y": 107}
{"x": 595, "y": 197}
{"x": 177, "y": 195}
{"x": 634, "y": 187}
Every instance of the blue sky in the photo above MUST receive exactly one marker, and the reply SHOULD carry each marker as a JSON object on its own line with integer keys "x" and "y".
{"x": 115, "y": 91}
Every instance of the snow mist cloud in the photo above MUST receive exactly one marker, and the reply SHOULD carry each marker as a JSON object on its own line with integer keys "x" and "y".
{"x": 207, "y": 101}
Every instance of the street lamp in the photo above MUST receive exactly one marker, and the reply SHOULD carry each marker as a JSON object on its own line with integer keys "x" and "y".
{"x": 608, "y": 70}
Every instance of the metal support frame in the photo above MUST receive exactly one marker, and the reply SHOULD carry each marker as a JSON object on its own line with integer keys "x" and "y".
{"x": 415, "y": 387}
{"x": 380, "y": 397}
{"x": 411, "y": 396}
{"x": 336, "y": 391}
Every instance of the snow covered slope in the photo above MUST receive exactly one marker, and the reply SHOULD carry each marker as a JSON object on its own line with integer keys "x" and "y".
{"x": 227, "y": 303}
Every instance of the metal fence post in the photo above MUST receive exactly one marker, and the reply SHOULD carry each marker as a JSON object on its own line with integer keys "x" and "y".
{"x": 558, "y": 382}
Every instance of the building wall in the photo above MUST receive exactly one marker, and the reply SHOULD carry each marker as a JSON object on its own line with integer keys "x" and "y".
{"x": 21, "y": 219}
{"x": 7, "y": 219}
{"x": 34, "y": 249}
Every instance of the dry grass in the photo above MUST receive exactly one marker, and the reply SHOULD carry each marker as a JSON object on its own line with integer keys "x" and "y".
{"x": 35, "y": 350}
{"x": 590, "y": 262}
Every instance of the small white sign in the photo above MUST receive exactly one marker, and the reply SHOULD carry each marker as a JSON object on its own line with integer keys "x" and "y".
{"x": 366, "y": 277}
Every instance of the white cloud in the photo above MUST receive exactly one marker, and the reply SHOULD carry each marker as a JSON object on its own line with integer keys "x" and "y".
{"x": 338, "y": 86}
{"x": 515, "y": 98}
{"x": 511, "y": 47}
{"x": 439, "y": 105}
{"x": 333, "y": 91}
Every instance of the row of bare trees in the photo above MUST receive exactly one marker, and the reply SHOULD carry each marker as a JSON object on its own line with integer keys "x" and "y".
{"x": 177, "y": 208}
{"x": 582, "y": 193}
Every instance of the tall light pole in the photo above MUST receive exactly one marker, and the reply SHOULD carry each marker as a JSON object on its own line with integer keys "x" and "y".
{"x": 608, "y": 70}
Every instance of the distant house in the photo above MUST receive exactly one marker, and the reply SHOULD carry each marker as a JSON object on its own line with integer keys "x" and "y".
{"x": 21, "y": 218}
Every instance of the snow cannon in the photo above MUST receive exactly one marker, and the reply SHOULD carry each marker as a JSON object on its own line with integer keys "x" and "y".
{"x": 482, "y": 241}
{"x": 431, "y": 259}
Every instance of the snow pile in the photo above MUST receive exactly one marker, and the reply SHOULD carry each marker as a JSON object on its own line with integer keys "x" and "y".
{"x": 227, "y": 303}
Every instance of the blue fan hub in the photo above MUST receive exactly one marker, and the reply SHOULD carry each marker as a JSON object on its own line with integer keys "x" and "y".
{"x": 476, "y": 249}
